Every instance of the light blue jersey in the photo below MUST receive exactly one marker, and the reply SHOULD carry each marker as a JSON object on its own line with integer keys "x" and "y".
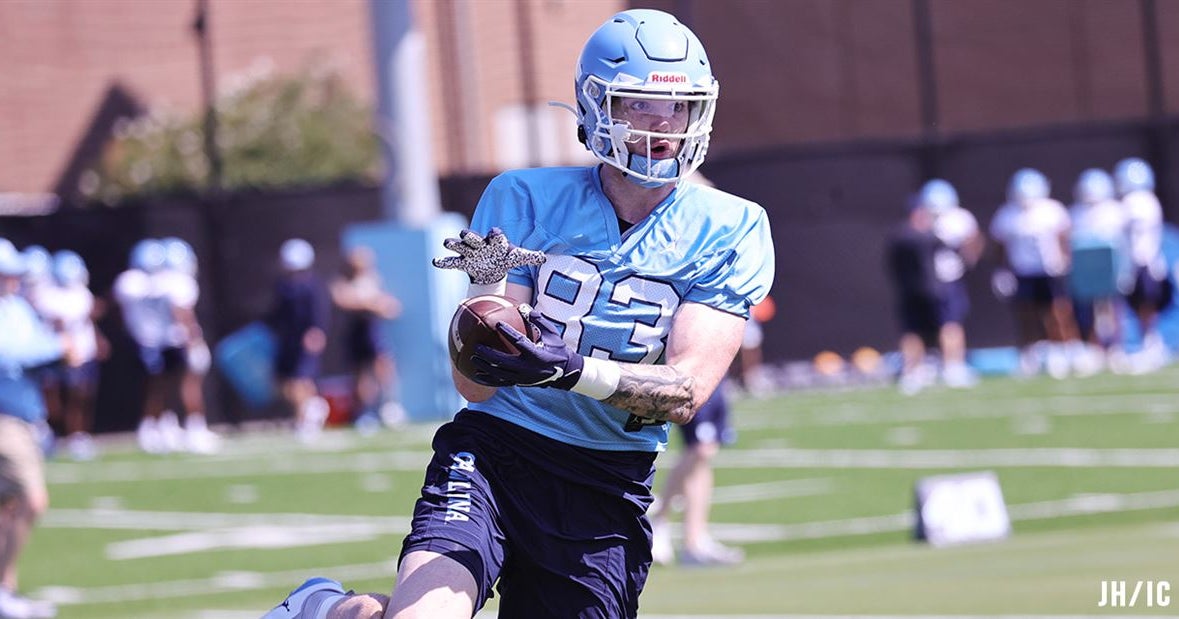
{"x": 614, "y": 294}
{"x": 25, "y": 342}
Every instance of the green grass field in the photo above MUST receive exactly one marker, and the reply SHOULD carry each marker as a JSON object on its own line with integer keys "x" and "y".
{"x": 818, "y": 490}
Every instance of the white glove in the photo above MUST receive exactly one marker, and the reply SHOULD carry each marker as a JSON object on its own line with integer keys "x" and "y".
{"x": 486, "y": 260}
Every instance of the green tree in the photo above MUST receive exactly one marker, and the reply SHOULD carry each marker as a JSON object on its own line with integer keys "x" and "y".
{"x": 275, "y": 132}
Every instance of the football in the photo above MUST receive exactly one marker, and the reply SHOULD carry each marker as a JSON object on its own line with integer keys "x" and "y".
{"x": 474, "y": 323}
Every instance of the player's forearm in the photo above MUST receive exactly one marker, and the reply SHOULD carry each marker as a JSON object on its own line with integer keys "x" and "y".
{"x": 657, "y": 392}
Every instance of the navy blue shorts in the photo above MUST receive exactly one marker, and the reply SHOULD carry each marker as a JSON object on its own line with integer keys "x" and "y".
{"x": 82, "y": 378}
{"x": 160, "y": 361}
{"x": 711, "y": 423}
{"x": 562, "y": 528}
{"x": 920, "y": 315}
{"x": 294, "y": 362}
{"x": 1040, "y": 290}
{"x": 1149, "y": 291}
{"x": 955, "y": 305}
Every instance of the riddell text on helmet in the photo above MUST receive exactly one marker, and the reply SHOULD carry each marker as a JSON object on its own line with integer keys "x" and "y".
{"x": 668, "y": 78}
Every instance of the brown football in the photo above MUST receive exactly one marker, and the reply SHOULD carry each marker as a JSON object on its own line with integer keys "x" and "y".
{"x": 474, "y": 323}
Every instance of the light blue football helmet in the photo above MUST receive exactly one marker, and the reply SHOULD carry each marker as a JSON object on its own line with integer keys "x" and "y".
{"x": 938, "y": 196}
{"x": 1028, "y": 184}
{"x": 69, "y": 269}
{"x": 12, "y": 262}
{"x": 38, "y": 263}
{"x": 1133, "y": 174}
{"x": 179, "y": 256}
{"x": 644, "y": 54}
{"x": 148, "y": 256}
{"x": 1094, "y": 185}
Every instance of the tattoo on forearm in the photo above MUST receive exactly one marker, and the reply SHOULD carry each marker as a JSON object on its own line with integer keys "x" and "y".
{"x": 656, "y": 392}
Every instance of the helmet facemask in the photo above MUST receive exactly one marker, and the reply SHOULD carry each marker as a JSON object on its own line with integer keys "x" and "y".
{"x": 670, "y": 127}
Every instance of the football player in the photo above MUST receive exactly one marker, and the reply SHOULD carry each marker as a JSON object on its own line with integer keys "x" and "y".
{"x": 148, "y": 315}
{"x": 1098, "y": 224}
{"x": 640, "y": 286}
{"x": 963, "y": 244}
{"x": 1033, "y": 229}
{"x": 178, "y": 280}
{"x": 71, "y": 311}
{"x": 1152, "y": 289}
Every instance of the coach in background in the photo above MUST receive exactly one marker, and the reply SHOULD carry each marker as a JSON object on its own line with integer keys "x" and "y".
{"x": 25, "y": 342}
{"x": 909, "y": 259}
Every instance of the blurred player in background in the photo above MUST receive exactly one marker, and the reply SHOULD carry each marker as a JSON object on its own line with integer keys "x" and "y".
{"x": 25, "y": 342}
{"x": 540, "y": 490}
{"x": 179, "y": 279}
{"x": 910, "y": 259}
{"x": 38, "y": 287}
{"x": 756, "y": 378}
{"x": 1152, "y": 290}
{"x": 69, "y": 307}
{"x": 148, "y": 316}
{"x": 1098, "y": 225}
{"x": 358, "y": 294}
{"x": 1033, "y": 229}
{"x": 689, "y": 485}
{"x": 299, "y": 320}
{"x": 963, "y": 245}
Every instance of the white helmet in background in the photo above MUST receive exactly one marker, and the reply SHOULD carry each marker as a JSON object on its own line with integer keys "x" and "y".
{"x": 1028, "y": 184}
{"x": 1094, "y": 185}
{"x": 179, "y": 256}
{"x": 296, "y": 255}
{"x": 939, "y": 196}
{"x": 69, "y": 269}
{"x": 148, "y": 255}
{"x": 1133, "y": 174}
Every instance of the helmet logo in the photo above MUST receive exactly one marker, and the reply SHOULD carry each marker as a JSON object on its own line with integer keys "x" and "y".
{"x": 656, "y": 77}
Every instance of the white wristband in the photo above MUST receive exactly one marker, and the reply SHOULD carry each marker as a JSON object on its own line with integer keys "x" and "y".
{"x": 500, "y": 288}
{"x": 599, "y": 378}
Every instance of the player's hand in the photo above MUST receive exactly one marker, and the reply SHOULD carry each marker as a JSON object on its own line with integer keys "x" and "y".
{"x": 486, "y": 260}
{"x": 547, "y": 363}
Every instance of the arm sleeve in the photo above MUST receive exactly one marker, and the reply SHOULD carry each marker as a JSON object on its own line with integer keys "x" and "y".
{"x": 744, "y": 276}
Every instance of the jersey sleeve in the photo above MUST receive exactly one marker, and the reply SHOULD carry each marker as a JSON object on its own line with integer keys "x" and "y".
{"x": 1000, "y": 225}
{"x": 745, "y": 274}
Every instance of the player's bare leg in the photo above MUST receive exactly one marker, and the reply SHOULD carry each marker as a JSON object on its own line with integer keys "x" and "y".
{"x": 432, "y": 586}
{"x": 699, "y": 546}
{"x": 952, "y": 341}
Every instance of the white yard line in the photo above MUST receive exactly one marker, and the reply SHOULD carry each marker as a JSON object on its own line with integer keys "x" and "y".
{"x": 948, "y": 458}
{"x": 732, "y": 458}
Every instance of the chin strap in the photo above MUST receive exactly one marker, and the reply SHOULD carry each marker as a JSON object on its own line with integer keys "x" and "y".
{"x": 666, "y": 170}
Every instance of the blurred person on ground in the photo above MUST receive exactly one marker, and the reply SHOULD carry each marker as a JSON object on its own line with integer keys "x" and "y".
{"x": 641, "y": 286}
{"x": 689, "y": 485}
{"x": 149, "y": 317}
{"x": 38, "y": 287}
{"x": 963, "y": 245}
{"x": 299, "y": 320}
{"x": 357, "y": 292}
{"x": 179, "y": 278}
{"x": 25, "y": 342}
{"x": 1099, "y": 228}
{"x": 756, "y": 378}
{"x": 910, "y": 258}
{"x": 1152, "y": 289}
{"x": 70, "y": 308}
{"x": 1033, "y": 229}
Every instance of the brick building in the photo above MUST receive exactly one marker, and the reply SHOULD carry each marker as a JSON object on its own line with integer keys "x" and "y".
{"x": 792, "y": 71}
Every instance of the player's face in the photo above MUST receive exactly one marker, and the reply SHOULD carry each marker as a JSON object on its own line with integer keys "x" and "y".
{"x": 655, "y": 115}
